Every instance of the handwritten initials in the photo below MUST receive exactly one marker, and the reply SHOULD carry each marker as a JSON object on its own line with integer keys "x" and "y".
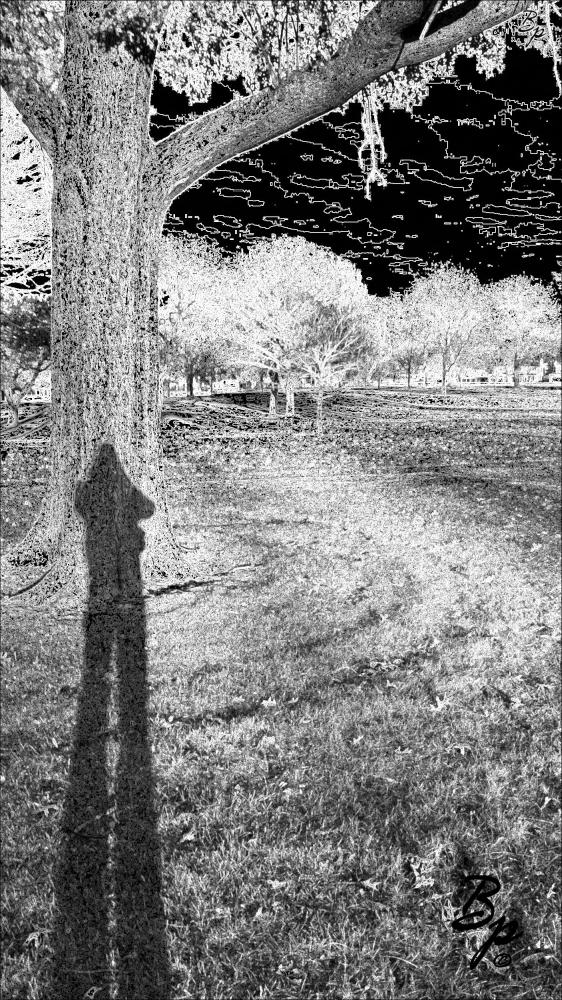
{"x": 504, "y": 931}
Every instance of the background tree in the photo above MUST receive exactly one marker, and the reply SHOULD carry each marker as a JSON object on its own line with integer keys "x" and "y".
{"x": 523, "y": 321}
{"x": 193, "y": 318}
{"x": 447, "y": 309}
{"x": 281, "y": 290}
{"x": 264, "y": 307}
{"x": 375, "y": 355}
{"x": 332, "y": 345}
{"x": 88, "y": 104}
{"x": 24, "y": 345}
{"x": 410, "y": 337}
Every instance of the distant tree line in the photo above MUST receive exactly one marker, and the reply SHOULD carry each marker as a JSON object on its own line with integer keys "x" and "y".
{"x": 292, "y": 311}
{"x": 448, "y": 315}
{"x": 289, "y": 312}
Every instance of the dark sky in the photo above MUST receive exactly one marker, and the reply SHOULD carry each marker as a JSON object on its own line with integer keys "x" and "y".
{"x": 473, "y": 178}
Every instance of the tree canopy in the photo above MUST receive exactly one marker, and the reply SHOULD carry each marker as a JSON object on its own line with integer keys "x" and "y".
{"x": 193, "y": 315}
{"x": 290, "y": 62}
{"x": 523, "y": 320}
{"x": 278, "y": 291}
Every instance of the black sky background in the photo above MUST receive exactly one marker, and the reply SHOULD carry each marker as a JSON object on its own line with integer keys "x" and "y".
{"x": 473, "y": 178}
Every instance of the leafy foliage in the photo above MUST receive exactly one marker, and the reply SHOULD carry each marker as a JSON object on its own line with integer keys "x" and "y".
{"x": 32, "y": 36}
{"x": 523, "y": 320}
{"x": 193, "y": 317}
{"x": 410, "y": 338}
{"x": 257, "y": 42}
{"x": 446, "y": 304}
{"x": 300, "y": 309}
{"x": 24, "y": 343}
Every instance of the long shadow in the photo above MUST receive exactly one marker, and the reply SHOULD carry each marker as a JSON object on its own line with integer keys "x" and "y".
{"x": 110, "y": 922}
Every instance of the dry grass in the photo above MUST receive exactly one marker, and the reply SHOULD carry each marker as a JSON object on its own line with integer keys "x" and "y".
{"x": 359, "y": 712}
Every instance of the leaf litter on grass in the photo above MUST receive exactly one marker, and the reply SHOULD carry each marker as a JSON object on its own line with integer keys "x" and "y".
{"x": 370, "y": 712}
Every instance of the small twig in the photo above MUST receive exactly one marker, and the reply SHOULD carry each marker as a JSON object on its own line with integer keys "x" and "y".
{"x": 28, "y": 586}
{"x": 431, "y": 17}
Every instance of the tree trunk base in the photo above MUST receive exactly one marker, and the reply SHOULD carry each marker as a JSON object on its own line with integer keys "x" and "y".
{"x": 40, "y": 570}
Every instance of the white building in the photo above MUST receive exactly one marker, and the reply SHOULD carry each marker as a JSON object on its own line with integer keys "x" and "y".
{"x": 501, "y": 375}
{"x": 466, "y": 375}
{"x": 40, "y": 391}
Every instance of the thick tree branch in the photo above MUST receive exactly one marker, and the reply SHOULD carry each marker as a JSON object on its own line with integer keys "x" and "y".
{"x": 378, "y": 46}
{"x": 40, "y": 112}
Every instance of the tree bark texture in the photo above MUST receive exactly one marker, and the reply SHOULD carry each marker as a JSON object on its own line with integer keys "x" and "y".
{"x": 189, "y": 379}
{"x": 272, "y": 412}
{"x": 289, "y": 399}
{"x": 273, "y": 393}
{"x": 106, "y": 226}
{"x": 516, "y": 370}
{"x": 320, "y": 409}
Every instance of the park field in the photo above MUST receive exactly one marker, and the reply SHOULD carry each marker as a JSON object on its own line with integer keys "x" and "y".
{"x": 351, "y": 707}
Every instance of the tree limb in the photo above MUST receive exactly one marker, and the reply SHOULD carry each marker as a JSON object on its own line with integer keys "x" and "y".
{"x": 378, "y": 46}
{"x": 40, "y": 112}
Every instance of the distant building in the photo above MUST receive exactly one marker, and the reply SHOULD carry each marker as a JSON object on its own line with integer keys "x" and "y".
{"x": 501, "y": 375}
{"x": 176, "y": 388}
{"x": 226, "y": 385}
{"x": 533, "y": 374}
{"x": 530, "y": 374}
{"x": 466, "y": 375}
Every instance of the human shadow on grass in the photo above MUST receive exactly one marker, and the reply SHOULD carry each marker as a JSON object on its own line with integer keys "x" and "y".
{"x": 110, "y": 923}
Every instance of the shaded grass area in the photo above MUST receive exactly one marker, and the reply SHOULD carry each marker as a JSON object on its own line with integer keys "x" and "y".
{"x": 359, "y": 713}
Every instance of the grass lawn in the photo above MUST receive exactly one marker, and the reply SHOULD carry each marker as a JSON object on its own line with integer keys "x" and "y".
{"x": 355, "y": 708}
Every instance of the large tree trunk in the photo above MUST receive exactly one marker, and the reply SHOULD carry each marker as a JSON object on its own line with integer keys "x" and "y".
{"x": 273, "y": 393}
{"x": 289, "y": 398}
{"x": 189, "y": 379}
{"x": 272, "y": 412}
{"x": 320, "y": 409}
{"x": 516, "y": 370}
{"x": 106, "y": 226}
